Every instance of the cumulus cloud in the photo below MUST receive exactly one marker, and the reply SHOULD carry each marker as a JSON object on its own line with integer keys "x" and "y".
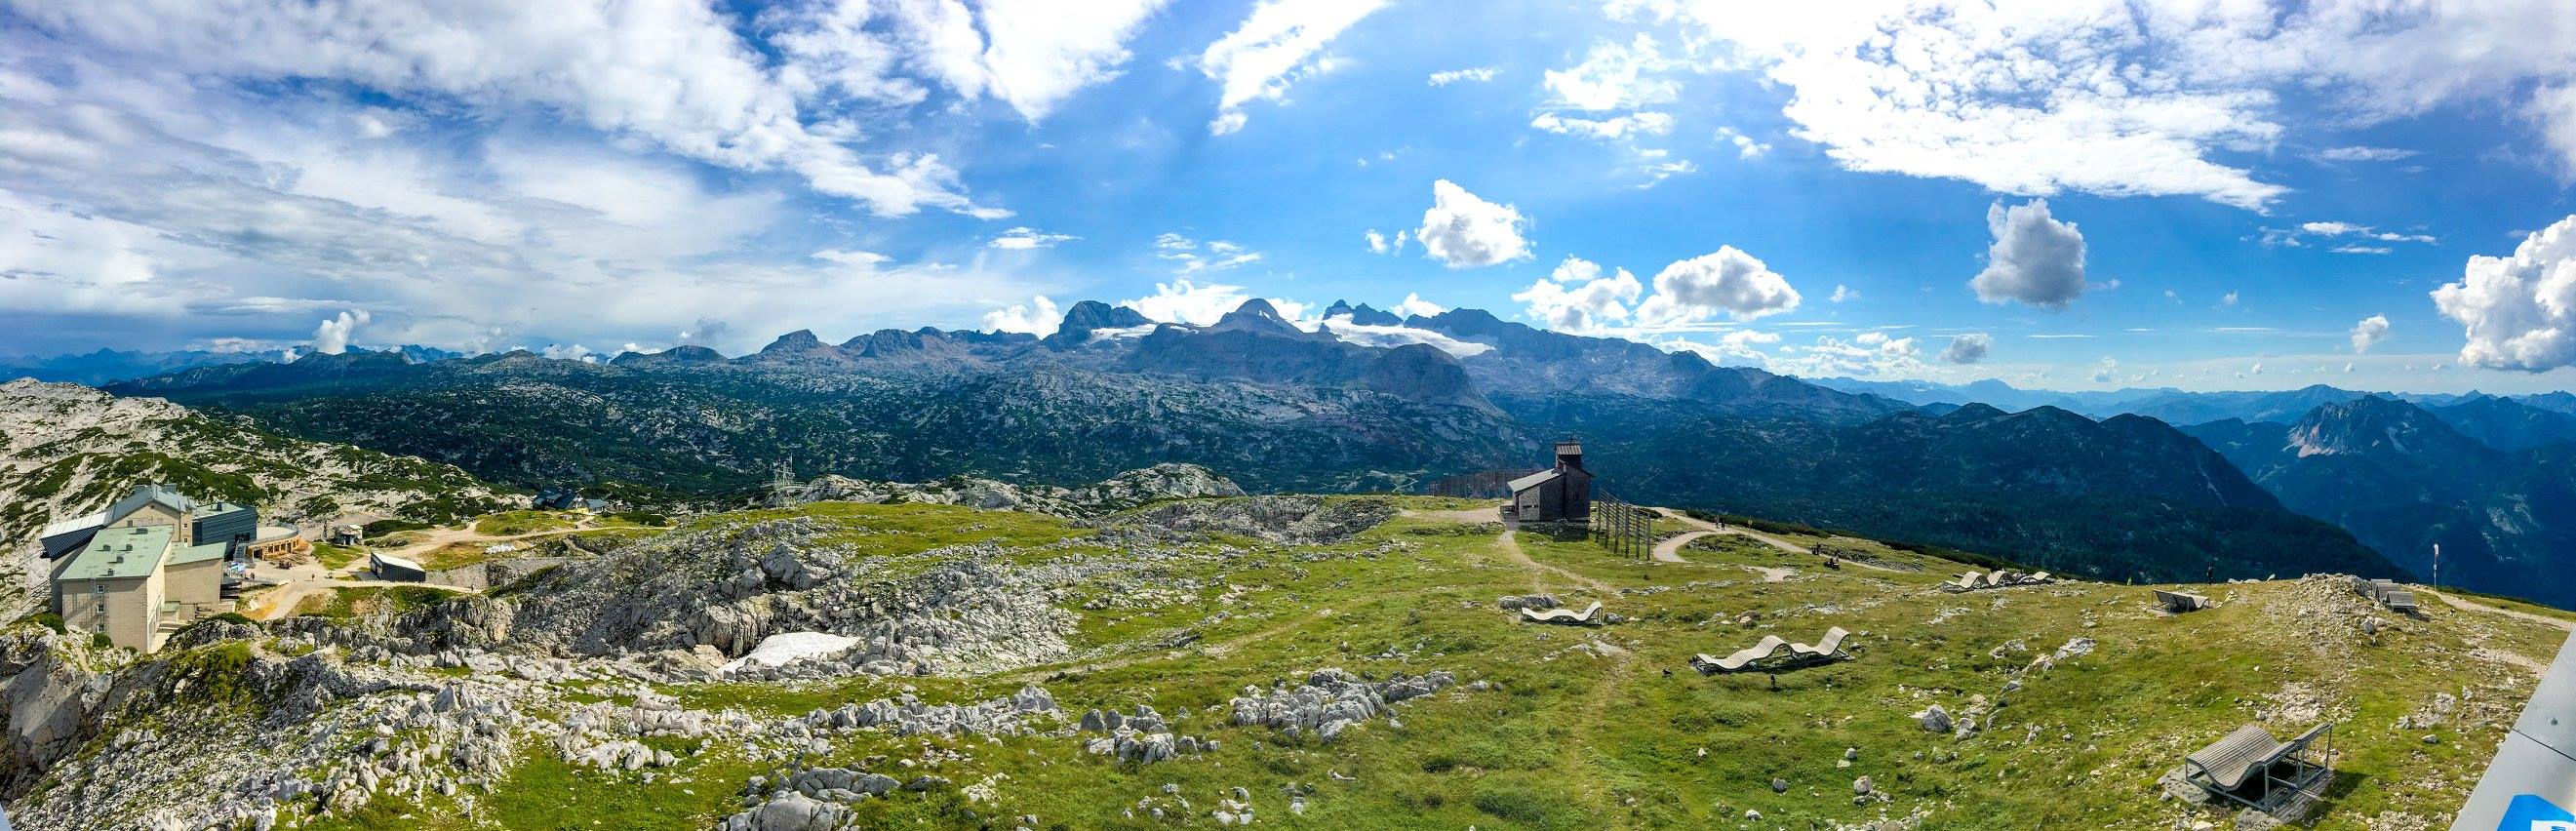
{"x": 1037, "y": 317}
{"x": 1968, "y": 348}
{"x": 1843, "y": 293}
{"x": 1201, "y": 304}
{"x": 2035, "y": 259}
{"x": 1413, "y": 305}
{"x": 1829, "y": 356}
{"x": 1576, "y": 298}
{"x": 1614, "y": 75}
{"x": 2520, "y": 311}
{"x": 332, "y": 337}
{"x": 1726, "y": 281}
{"x": 1280, "y": 43}
{"x": 1024, "y": 238}
{"x": 1382, "y": 244}
{"x": 1462, "y": 230}
{"x": 2102, "y": 372}
{"x": 2369, "y": 332}
{"x": 714, "y": 100}
{"x": 707, "y": 331}
{"x": 1479, "y": 74}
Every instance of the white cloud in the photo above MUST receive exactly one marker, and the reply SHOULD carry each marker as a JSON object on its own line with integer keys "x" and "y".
{"x": 1413, "y": 305}
{"x": 861, "y": 259}
{"x": 1745, "y": 146}
{"x": 1576, "y": 298}
{"x": 1280, "y": 43}
{"x": 2296, "y": 237}
{"x": 2027, "y": 99}
{"x": 2520, "y": 311}
{"x": 332, "y": 337}
{"x": 2369, "y": 332}
{"x": 1478, "y": 74}
{"x": 1382, "y": 244}
{"x": 1726, "y": 281}
{"x": 1843, "y": 293}
{"x": 1615, "y": 128}
{"x": 2228, "y": 299}
{"x": 1462, "y": 230}
{"x": 1614, "y": 76}
{"x": 1038, "y": 317}
{"x": 2362, "y": 154}
{"x": 1193, "y": 256}
{"x": 1830, "y": 356}
{"x": 2102, "y": 372}
{"x": 1183, "y": 301}
{"x": 2035, "y": 259}
{"x": 677, "y": 76}
{"x": 1025, "y": 238}
{"x": 1968, "y": 348}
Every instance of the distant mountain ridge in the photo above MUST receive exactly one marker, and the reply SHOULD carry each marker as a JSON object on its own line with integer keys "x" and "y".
{"x": 2403, "y": 479}
{"x": 1270, "y": 404}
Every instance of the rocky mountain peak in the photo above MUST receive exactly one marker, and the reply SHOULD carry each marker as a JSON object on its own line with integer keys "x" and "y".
{"x": 1258, "y": 315}
{"x": 1362, "y": 314}
{"x": 2371, "y": 424}
{"x": 801, "y": 340}
{"x": 1092, "y": 315}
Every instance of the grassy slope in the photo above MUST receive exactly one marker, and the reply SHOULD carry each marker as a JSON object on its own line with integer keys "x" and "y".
{"x": 1577, "y": 741}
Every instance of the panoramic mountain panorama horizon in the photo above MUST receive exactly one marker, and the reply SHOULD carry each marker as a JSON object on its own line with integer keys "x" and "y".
{"x": 2069, "y": 196}
{"x": 817, "y": 415}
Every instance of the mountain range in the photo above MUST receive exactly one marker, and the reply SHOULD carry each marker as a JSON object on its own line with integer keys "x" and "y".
{"x": 1365, "y": 402}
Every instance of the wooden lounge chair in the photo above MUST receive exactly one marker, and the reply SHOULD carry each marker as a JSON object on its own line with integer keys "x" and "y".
{"x": 1831, "y": 646}
{"x": 1582, "y": 618}
{"x": 1968, "y": 581}
{"x": 1998, "y": 579}
{"x": 2251, "y": 768}
{"x": 2036, "y": 577}
{"x": 1740, "y": 659}
{"x": 2180, "y": 602}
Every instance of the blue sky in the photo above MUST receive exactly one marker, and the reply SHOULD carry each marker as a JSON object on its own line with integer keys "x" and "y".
{"x": 2067, "y": 195}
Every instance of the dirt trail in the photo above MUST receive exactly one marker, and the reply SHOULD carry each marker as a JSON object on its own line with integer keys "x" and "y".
{"x": 1669, "y": 551}
{"x": 1511, "y": 548}
{"x": 2456, "y": 603}
{"x": 1741, "y": 531}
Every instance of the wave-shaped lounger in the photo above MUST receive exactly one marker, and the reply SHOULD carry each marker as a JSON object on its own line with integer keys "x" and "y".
{"x": 1773, "y": 653}
{"x": 1582, "y": 618}
{"x": 1831, "y": 646}
{"x": 1741, "y": 658}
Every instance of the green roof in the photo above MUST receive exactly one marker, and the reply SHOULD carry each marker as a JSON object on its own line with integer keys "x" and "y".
{"x": 197, "y": 553}
{"x": 121, "y": 552}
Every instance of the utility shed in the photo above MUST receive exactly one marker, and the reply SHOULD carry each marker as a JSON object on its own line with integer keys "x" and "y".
{"x": 397, "y": 569}
{"x": 1559, "y": 494}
